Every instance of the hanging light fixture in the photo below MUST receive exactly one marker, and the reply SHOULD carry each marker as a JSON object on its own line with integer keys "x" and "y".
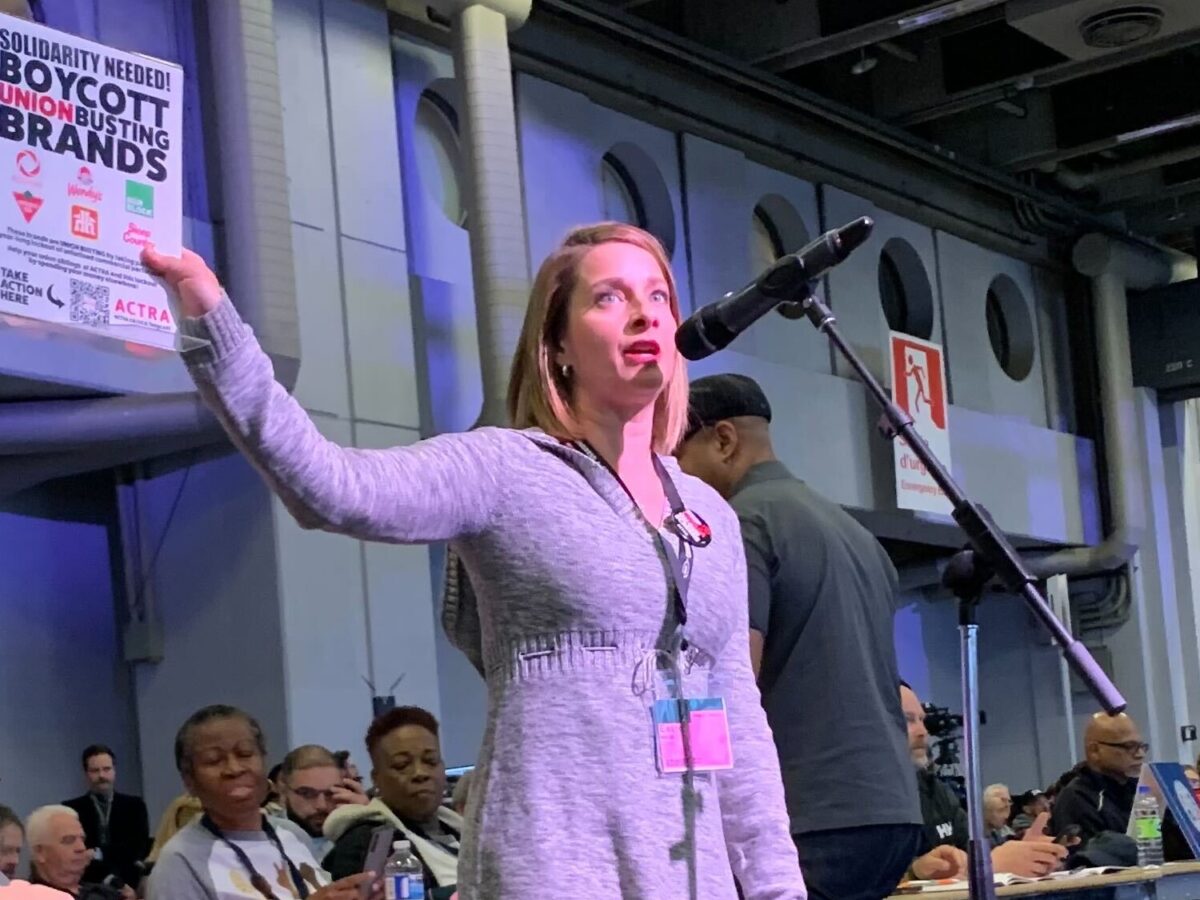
{"x": 864, "y": 64}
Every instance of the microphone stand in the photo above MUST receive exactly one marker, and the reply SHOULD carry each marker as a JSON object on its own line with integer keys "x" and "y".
{"x": 993, "y": 556}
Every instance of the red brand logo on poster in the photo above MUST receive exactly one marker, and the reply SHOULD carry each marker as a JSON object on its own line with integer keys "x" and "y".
{"x": 28, "y": 165}
{"x": 81, "y": 188}
{"x": 85, "y": 223}
{"x": 135, "y": 235}
{"x": 28, "y": 204}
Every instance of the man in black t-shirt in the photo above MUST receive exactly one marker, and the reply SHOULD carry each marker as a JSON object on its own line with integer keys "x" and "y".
{"x": 822, "y": 595}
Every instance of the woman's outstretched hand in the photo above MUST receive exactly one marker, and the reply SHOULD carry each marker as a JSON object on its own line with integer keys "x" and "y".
{"x": 189, "y": 278}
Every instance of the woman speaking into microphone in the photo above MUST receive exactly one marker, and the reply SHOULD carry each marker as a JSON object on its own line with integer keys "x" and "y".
{"x": 599, "y": 591}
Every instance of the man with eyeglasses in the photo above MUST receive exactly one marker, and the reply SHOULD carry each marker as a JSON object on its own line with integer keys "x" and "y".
{"x": 1100, "y": 798}
{"x": 312, "y": 785}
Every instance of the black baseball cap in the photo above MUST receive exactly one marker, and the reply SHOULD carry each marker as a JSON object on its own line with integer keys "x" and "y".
{"x": 715, "y": 398}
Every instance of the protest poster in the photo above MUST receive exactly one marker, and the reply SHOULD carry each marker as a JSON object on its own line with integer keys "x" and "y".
{"x": 90, "y": 149}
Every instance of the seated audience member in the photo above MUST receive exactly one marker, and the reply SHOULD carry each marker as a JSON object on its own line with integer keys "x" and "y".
{"x": 1100, "y": 796}
{"x": 408, "y": 771}
{"x": 178, "y": 813}
{"x": 997, "y": 804}
{"x": 59, "y": 855}
{"x": 312, "y": 785}
{"x": 1027, "y": 807}
{"x": 116, "y": 825}
{"x": 946, "y": 829}
{"x": 12, "y": 838}
{"x": 234, "y": 849}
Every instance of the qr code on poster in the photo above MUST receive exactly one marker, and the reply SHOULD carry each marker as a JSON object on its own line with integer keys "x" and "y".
{"x": 89, "y": 303}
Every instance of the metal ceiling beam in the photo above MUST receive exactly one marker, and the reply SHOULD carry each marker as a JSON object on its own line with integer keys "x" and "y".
{"x": 817, "y": 49}
{"x": 1079, "y": 181}
{"x": 1041, "y": 79}
{"x": 1044, "y": 158}
{"x": 1175, "y": 193}
{"x": 1183, "y": 214}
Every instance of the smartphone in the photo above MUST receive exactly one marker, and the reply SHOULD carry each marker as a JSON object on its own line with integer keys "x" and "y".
{"x": 1068, "y": 835}
{"x": 377, "y": 856}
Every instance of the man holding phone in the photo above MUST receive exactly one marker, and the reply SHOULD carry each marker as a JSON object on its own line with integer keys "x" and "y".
{"x": 312, "y": 785}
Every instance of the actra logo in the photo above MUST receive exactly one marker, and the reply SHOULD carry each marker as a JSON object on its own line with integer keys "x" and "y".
{"x": 146, "y": 312}
{"x": 139, "y": 237}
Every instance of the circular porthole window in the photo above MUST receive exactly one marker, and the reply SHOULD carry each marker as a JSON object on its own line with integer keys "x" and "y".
{"x": 622, "y": 203}
{"x": 439, "y": 155}
{"x": 904, "y": 290}
{"x": 776, "y": 229}
{"x": 633, "y": 190}
{"x": 1010, "y": 328}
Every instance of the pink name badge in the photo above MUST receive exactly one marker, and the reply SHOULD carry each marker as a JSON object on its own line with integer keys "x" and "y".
{"x": 707, "y": 734}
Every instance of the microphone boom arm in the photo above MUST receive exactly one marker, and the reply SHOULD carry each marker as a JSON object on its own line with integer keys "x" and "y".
{"x": 993, "y": 555}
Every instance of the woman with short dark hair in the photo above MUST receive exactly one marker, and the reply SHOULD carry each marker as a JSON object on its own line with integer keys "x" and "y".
{"x": 234, "y": 849}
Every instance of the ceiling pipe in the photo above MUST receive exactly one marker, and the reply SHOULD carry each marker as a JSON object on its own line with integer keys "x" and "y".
{"x": 1081, "y": 181}
{"x": 1124, "y": 139}
{"x": 498, "y": 234}
{"x": 42, "y": 440}
{"x": 55, "y": 426}
{"x": 1113, "y": 268}
{"x": 827, "y": 46}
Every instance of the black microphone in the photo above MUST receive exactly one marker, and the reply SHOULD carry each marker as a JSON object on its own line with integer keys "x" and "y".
{"x": 712, "y": 328}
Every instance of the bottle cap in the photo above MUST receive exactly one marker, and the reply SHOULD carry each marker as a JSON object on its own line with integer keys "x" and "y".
{"x": 401, "y": 845}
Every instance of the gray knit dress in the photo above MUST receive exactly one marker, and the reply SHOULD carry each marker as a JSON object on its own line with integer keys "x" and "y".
{"x": 558, "y": 591}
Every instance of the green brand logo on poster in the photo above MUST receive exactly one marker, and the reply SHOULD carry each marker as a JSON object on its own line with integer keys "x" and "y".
{"x": 139, "y": 198}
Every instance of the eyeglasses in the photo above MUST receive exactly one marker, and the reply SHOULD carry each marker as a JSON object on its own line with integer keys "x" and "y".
{"x": 312, "y": 794}
{"x": 1128, "y": 746}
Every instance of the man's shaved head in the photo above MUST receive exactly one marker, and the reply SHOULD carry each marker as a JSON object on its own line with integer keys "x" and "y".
{"x": 1114, "y": 746}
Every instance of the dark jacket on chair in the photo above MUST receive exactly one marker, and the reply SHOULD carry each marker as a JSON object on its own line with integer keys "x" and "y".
{"x": 128, "y": 837}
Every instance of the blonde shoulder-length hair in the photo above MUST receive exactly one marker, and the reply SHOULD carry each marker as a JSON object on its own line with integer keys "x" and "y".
{"x": 539, "y": 395}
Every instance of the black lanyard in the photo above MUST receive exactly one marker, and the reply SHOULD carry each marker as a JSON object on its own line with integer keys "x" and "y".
{"x": 104, "y": 813}
{"x": 260, "y": 884}
{"x": 690, "y": 529}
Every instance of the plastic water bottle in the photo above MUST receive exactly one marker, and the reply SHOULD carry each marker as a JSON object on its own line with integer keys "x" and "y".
{"x": 1147, "y": 827}
{"x": 403, "y": 876}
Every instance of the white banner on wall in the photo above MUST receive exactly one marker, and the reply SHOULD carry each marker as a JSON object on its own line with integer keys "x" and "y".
{"x": 90, "y": 155}
{"x": 919, "y": 388}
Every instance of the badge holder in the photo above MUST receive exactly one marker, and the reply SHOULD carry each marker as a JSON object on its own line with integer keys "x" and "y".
{"x": 690, "y": 733}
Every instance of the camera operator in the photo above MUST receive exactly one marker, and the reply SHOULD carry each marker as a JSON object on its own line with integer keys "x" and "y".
{"x": 946, "y": 829}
